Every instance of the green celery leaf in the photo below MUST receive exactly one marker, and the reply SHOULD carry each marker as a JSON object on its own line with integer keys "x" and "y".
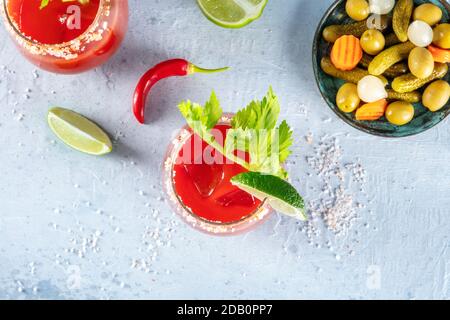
{"x": 259, "y": 114}
{"x": 285, "y": 141}
{"x": 44, "y": 3}
{"x": 202, "y": 119}
{"x": 254, "y": 131}
{"x": 212, "y": 112}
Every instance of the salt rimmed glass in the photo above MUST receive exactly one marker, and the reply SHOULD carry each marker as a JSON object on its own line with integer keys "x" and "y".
{"x": 243, "y": 225}
{"x": 91, "y": 49}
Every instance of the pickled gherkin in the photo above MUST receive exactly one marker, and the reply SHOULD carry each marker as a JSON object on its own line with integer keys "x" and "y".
{"x": 334, "y": 32}
{"x": 409, "y": 83}
{"x": 396, "y": 70}
{"x": 402, "y": 15}
{"x": 389, "y": 57}
{"x": 412, "y": 97}
{"x": 391, "y": 39}
{"x": 352, "y": 76}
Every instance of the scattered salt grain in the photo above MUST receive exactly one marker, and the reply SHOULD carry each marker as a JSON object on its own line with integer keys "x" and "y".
{"x": 32, "y": 266}
{"x": 337, "y": 205}
{"x": 153, "y": 239}
{"x": 309, "y": 138}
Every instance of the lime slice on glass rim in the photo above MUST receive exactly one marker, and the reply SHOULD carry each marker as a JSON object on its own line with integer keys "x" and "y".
{"x": 280, "y": 194}
{"x": 78, "y": 132}
{"x": 232, "y": 13}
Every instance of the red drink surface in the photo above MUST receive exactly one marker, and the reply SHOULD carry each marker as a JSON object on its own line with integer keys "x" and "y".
{"x": 97, "y": 27}
{"x": 205, "y": 187}
{"x": 49, "y": 25}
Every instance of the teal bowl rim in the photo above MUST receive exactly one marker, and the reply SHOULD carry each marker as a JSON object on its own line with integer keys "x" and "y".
{"x": 332, "y": 105}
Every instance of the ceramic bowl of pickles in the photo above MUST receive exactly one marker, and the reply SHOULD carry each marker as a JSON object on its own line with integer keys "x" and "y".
{"x": 383, "y": 65}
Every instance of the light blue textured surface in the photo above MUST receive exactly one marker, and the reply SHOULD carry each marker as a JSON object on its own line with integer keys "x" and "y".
{"x": 75, "y": 226}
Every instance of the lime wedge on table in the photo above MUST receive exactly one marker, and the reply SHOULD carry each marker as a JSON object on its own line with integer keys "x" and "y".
{"x": 79, "y": 132}
{"x": 232, "y": 13}
{"x": 280, "y": 195}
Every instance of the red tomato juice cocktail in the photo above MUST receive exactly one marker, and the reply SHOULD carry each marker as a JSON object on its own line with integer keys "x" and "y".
{"x": 66, "y": 36}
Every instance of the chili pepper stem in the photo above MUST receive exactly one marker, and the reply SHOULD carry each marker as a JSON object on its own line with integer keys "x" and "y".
{"x": 192, "y": 68}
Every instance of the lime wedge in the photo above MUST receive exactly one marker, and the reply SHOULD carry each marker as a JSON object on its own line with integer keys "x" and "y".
{"x": 232, "y": 13}
{"x": 78, "y": 132}
{"x": 280, "y": 195}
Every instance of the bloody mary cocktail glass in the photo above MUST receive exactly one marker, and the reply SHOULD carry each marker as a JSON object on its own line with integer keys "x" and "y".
{"x": 66, "y": 37}
{"x": 196, "y": 179}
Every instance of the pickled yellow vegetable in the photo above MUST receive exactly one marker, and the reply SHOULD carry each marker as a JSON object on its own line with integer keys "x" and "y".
{"x": 396, "y": 70}
{"x": 357, "y": 9}
{"x": 409, "y": 83}
{"x": 372, "y": 42}
{"x": 400, "y": 113}
{"x": 347, "y": 98}
{"x": 389, "y": 57}
{"x": 353, "y": 76}
{"x": 334, "y": 32}
{"x": 436, "y": 95}
{"x": 428, "y": 13}
{"x": 421, "y": 63}
{"x": 391, "y": 39}
{"x": 412, "y": 97}
{"x": 402, "y": 15}
{"x": 441, "y": 36}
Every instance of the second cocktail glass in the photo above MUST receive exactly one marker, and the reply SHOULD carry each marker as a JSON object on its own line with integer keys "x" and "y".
{"x": 66, "y": 37}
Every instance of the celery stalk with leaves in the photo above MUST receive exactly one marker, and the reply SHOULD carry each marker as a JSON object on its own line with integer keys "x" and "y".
{"x": 253, "y": 130}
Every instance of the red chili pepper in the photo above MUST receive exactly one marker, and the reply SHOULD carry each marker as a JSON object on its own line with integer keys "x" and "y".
{"x": 166, "y": 69}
